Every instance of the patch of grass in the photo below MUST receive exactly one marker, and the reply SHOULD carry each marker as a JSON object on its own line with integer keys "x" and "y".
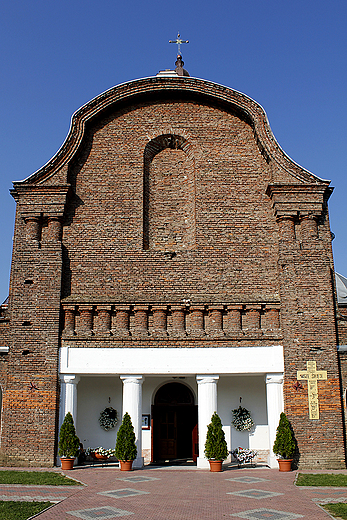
{"x": 339, "y": 509}
{"x": 322, "y": 479}
{"x": 38, "y": 478}
{"x": 21, "y": 510}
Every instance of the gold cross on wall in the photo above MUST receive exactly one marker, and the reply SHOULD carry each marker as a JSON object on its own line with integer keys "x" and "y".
{"x": 178, "y": 43}
{"x": 312, "y": 375}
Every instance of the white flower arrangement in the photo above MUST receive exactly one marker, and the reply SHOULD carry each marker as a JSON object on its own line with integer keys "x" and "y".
{"x": 106, "y": 452}
{"x": 242, "y": 419}
{"x": 108, "y": 418}
{"x": 243, "y": 455}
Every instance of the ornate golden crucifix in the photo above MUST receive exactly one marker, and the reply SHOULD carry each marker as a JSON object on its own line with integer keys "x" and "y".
{"x": 178, "y": 42}
{"x": 312, "y": 375}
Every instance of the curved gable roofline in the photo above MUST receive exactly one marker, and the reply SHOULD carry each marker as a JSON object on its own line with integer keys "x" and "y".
{"x": 251, "y": 110}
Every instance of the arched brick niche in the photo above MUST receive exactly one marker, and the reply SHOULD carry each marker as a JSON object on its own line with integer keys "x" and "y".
{"x": 169, "y": 194}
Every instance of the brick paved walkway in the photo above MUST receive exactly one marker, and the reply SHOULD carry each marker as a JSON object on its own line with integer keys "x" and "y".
{"x": 180, "y": 494}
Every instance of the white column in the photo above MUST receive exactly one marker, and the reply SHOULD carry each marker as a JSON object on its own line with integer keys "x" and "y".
{"x": 274, "y": 401}
{"x": 207, "y": 405}
{"x": 132, "y": 403}
{"x": 68, "y": 396}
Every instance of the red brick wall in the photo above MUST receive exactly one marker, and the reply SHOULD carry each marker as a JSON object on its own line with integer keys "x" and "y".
{"x": 231, "y": 216}
{"x": 30, "y": 400}
{"x": 174, "y": 225}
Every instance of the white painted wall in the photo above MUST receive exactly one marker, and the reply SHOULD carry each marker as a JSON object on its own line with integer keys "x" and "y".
{"x": 93, "y": 393}
{"x": 253, "y": 392}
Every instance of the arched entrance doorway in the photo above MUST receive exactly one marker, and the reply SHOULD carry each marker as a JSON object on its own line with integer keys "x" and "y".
{"x": 175, "y": 423}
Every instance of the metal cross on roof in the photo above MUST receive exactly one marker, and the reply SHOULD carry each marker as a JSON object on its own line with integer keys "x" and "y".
{"x": 178, "y": 43}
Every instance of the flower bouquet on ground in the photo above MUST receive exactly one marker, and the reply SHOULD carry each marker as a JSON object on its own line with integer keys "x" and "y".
{"x": 244, "y": 455}
{"x": 100, "y": 453}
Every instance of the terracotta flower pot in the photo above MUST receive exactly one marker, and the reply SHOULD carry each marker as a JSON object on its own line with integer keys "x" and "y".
{"x": 126, "y": 465}
{"x": 285, "y": 464}
{"x": 98, "y": 456}
{"x": 215, "y": 465}
{"x": 67, "y": 463}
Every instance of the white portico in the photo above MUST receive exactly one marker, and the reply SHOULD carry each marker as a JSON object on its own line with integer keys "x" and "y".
{"x": 132, "y": 376}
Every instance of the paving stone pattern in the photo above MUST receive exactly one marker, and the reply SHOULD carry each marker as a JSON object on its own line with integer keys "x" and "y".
{"x": 186, "y": 494}
{"x": 254, "y": 493}
{"x": 119, "y": 493}
{"x": 21, "y": 493}
{"x": 247, "y": 480}
{"x": 100, "y": 513}
{"x": 137, "y": 479}
{"x": 272, "y": 514}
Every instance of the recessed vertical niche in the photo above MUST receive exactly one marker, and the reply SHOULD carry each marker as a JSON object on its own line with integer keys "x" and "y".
{"x": 169, "y": 194}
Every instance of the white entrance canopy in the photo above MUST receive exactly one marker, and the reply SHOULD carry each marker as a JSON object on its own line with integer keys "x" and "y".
{"x": 205, "y": 363}
{"x": 168, "y": 360}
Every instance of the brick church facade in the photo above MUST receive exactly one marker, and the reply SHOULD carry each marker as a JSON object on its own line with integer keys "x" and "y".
{"x": 169, "y": 260}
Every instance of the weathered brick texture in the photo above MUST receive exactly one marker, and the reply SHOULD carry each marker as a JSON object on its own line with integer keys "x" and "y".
{"x": 170, "y": 217}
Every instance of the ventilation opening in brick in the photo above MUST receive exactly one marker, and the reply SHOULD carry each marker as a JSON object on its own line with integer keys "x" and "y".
{"x": 25, "y": 352}
{"x": 169, "y": 195}
{"x": 28, "y": 282}
{"x": 26, "y": 323}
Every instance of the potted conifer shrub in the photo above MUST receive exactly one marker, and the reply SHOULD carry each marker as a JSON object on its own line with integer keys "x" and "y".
{"x": 69, "y": 443}
{"x": 126, "y": 450}
{"x": 284, "y": 445}
{"x": 215, "y": 446}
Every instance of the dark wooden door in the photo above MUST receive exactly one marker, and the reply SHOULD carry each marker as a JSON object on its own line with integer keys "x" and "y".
{"x": 174, "y": 418}
{"x": 167, "y": 424}
{"x": 174, "y": 432}
{"x": 195, "y": 442}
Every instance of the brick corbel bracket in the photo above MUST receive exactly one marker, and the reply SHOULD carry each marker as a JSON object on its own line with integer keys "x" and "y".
{"x": 40, "y": 199}
{"x": 298, "y": 202}
{"x": 36, "y": 203}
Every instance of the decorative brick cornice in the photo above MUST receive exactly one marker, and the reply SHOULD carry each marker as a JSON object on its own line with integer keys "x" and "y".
{"x": 139, "y": 320}
{"x": 299, "y": 200}
{"x": 155, "y": 88}
{"x": 37, "y": 199}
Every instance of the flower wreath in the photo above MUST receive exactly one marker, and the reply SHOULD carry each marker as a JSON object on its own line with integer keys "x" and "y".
{"x": 242, "y": 419}
{"x": 108, "y": 418}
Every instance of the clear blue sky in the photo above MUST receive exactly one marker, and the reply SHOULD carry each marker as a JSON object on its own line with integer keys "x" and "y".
{"x": 288, "y": 56}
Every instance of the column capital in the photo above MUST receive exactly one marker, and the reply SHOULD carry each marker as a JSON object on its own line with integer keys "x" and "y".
{"x": 137, "y": 380}
{"x": 104, "y": 307}
{"x": 159, "y": 307}
{"x": 274, "y": 379}
{"x": 194, "y": 308}
{"x": 72, "y": 379}
{"x": 202, "y": 379}
{"x": 31, "y": 217}
{"x": 308, "y": 216}
{"x": 281, "y": 216}
{"x": 55, "y": 216}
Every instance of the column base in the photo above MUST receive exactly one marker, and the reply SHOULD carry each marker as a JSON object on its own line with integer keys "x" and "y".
{"x": 272, "y": 462}
{"x": 202, "y": 462}
{"x": 138, "y": 463}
